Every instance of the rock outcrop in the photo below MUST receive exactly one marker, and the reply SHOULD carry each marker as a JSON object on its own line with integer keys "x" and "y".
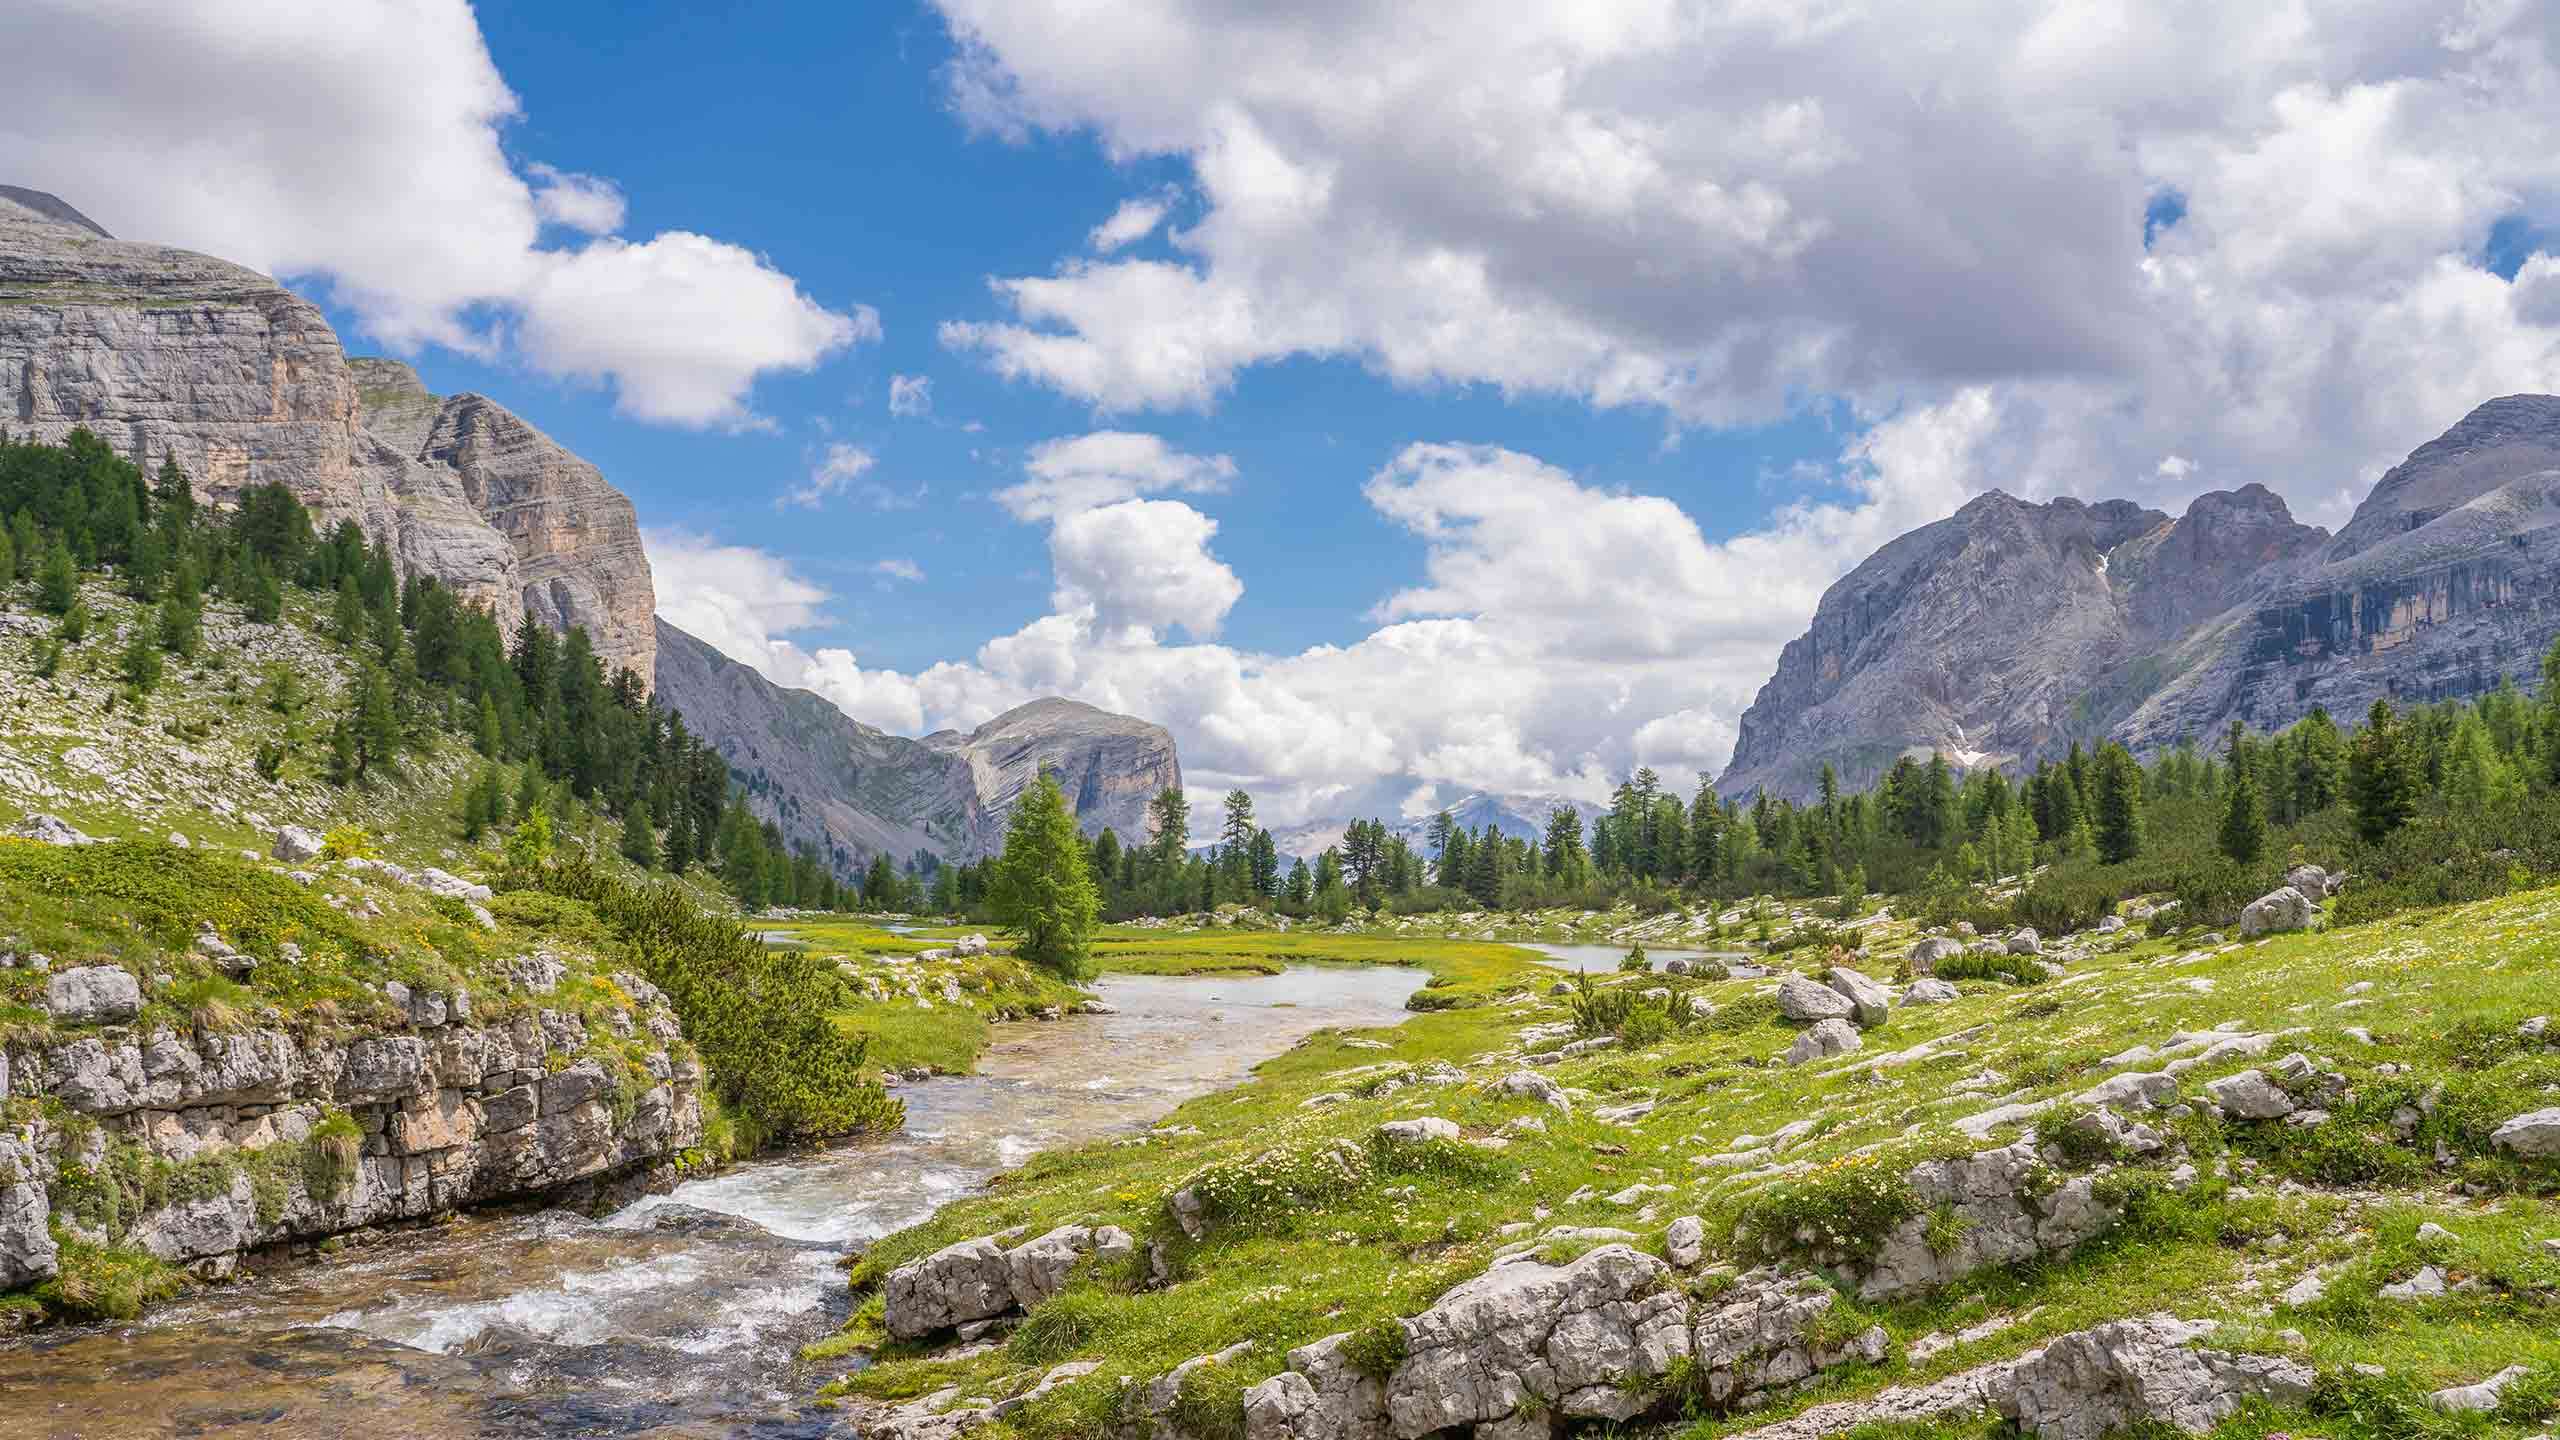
{"x": 854, "y": 791}
{"x": 166, "y": 354}
{"x": 296, "y": 1136}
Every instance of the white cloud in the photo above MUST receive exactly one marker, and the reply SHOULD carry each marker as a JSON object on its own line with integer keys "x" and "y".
{"x": 1140, "y": 566}
{"x": 1134, "y": 221}
{"x": 361, "y": 143}
{"x": 910, "y": 395}
{"x": 898, "y": 569}
{"x": 739, "y": 599}
{"x": 586, "y": 203}
{"x": 834, "y": 472}
{"x": 1106, "y": 466}
{"x": 1720, "y": 211}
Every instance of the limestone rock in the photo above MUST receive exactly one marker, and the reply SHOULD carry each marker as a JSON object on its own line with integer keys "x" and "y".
{"x": 1321, "y": 1396}
{"x": 1930, "y": 992}
{"x": 2025, "y": 942}
{"x": 2276, "y": 911}
{"x": 1039, "y": 1268}
{"x": 2250, "y": 1095}
{"x": 1926, "y": 953}
{"x": 1576, "y": 1334}
{"x": 1417, "y": 1131}
{"x": 1530, "y": 1085}
{"x": 50, "y": 830}
{"x": 2091, "y": 1383}
{"x": 1823, "y": 1040}
{"x": 93, "y": 995}
{"x": 1871, "y": 1002}
{"x": 2484, "y": 1395}
{"x": 1804, "y": 1001}
{"x": 2534, "y": 1135}
{"x": 2008, "y": 1208}
{"x": 1758, "y": 1336}
{"x": 27, "y": 1250}
{"x": 1685, "y": 1243}
{"x": 295, "y": 844}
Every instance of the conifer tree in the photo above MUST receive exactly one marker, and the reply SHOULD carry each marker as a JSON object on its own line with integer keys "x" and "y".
{"x": 639, "y": 840}
{"x": 58, "y": 583}
{"x": 2382, "y": 778}
{"x": 2244, "y": 820}
{"x": 2118, "y": 821}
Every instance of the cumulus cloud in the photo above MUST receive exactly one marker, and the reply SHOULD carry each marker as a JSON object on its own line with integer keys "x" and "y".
{"x": 834, "y": 472}
{"x": 1106, "y": 466}
{"x": 1141, "y": 566}
{"x": 1717, "y": 211}
{"x": 362, "y": 144}
{"x": 910, "y": 395}
{"x": 1135, "y": 220}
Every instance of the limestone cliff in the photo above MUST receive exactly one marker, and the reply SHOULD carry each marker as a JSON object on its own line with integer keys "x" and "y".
{"x": 166, "y": 353}
{"x": 2008, "y": 630}
{"x": 853, "y": 791}
{"x": 1109, "y": 765}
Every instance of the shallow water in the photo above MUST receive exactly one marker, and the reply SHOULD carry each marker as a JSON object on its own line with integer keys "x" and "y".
{"x": 680, "y": 1315}
{"x": 1606, "y": 957}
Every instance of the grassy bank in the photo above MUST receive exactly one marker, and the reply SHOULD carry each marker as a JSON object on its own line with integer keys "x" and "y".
{"x": 1300, "y": 1247}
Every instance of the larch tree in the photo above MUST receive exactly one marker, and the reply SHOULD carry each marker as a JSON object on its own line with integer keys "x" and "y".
{"x": 1041, "y": 889}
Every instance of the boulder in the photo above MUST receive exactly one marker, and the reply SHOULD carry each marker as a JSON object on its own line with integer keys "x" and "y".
{"x": 1581, "y": 1337}
{"x": 2092, "y": 1383}
{"x": 1530, "y": 1085}
{"x": 2483, "y": 1396}
{"x": 2007, "y": 1208}
{"x": 295, "y": 844}
{"x": 2277, "y": 911}
{"x": 1039, "y": 1268}
{"x": 1929, "y": 992}
{"x": 1925, "y": 954}
{"x": 1685, "y": 1243}
{"x": 1825, "y": 1039}
{"x": 50, "y": 830}
{"x": 965, "y": 1281}
{"x": 2250, "y": 1095}
{"x": 2534, "y": 1135}
{"x": 1870, "y": 1002}
{"x": 2110, "y": 924}
{"x": 1418, "y": 1131}
{"x": 2025, "y": 941}
{"x": 2311, "y": 880}
{"x": 1321, "y": 1396}
{"x": 1758, "y": 1336}
{"x": 1805, "y": 1002}
{"x": 93, "y": 995}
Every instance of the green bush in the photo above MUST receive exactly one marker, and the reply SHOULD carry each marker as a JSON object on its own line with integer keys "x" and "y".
{"x": 759, "y": 1017}
{"x": 2015, "y": 969}
{"x": 1375, "y": 1349}
{"x": 1848, "y": 1206}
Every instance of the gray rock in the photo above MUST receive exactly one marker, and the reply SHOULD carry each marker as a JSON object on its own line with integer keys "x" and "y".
{"x": 1321, "y": 1396}
{"x": 1926, "y": 953}
{"x": 2147, "y": 1088}
{"x": 1822, "y": 1041}
{"x": 295, "y": 844}
{"x": 1039, "y": 1268}
{"x": 2484, "y": 1395}
{"x": 2024, "y": 942}
{"x": 27, "y": 1250}
{"x": 50, "y": 830}
{"x": 1804, "y": 1001}
{"x": 2007, "y": 1209}
{"x": 2277, "y": 911}
{"x": 1871, "y": 1002}
{"x": 2534, "y": 1135}
{"x": 1684, "y": 1244}
{"x": 2428, "y": 1284}
{"x": 1417, "y": 1131}
{"x": 1756, "y": 1337}
{"x": 93, "y": 995}
{"x": 2250, "y": 1095}
{"x": 2311, "y": 880}
{"x": 1581, "y": 1336}
{"x": 2089, "y": 1384}
{"x": 1530, "y": 1085}
{"x": 1930, "y": 992}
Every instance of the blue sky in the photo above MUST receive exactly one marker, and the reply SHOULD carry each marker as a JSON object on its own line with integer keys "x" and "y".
{"x": 1502, "y": 387}
{"x": 837, "y": 156}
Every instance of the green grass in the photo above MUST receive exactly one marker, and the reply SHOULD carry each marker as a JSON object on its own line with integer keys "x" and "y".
{"x": 1303, "y": 1259}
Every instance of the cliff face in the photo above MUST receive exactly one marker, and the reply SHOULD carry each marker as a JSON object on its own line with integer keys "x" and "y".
{"x": 2008, "y": 630}
{"x": 165, "y": 353}
{"x": 1973, "y": 635}
{"x": 1109, "y": 765}
{"x": 2445, "y": 582}
{"x": 854, "y": 792}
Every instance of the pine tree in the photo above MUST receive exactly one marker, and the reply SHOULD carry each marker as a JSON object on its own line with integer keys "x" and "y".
{"x": 141, "y": 660}
{"x": 2382, "y": 779}
{"x": 2118, "y": 821}
{"x": 342, "y": 752}
{"x": 1169, "y": 825}
{"x": 347, "y": 619}
{"x": 489, "y": 736}
{"x": 8, "y": 559}
{"x": 2244, "y": 821}
{"x": 639, "y": 841}
{"x": 58, "y": 583}
{"x": 377, "y": 730}
{"x": 1040, "y": 889}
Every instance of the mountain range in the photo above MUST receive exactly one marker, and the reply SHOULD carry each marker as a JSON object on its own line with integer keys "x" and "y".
{"x": 2009, "y": 630}
{"x": 167, "y": 354}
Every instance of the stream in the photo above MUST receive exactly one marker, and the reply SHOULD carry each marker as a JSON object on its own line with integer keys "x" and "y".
{"x": 681, "y": 1315}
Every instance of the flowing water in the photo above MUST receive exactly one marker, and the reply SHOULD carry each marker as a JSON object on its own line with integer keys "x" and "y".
{"x": 1606, "y": 957}
{"x": 679, "y": 1316}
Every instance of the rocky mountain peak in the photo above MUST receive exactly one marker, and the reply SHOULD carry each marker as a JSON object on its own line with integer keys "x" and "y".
{"x": 165, "y": 353}
{"x": 2500, "y": 441}
{"x": 1109, "y": 765}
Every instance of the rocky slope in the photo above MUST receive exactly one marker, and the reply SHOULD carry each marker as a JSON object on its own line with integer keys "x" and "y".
{"x": 855, "y": 792}
{"x": 2010, "y": 629}
{"x": 165, "y": 353}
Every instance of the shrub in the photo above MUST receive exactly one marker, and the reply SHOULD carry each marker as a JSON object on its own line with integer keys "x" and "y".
{"x": 329, "y": 1157}
{"x": 2015, "y": 969}
{"x": 1848, "y": 1205}
{"x": 107, "y": 1282}
{"x": 1209, "y": 1405}
{"x": 1375, "y": 1349}
{"x": 348, "y": 842}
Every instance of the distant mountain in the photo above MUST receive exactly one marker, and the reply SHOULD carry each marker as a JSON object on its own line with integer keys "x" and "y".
{"x": 855, "y": 791}
{"x": 2011, "y": 629}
